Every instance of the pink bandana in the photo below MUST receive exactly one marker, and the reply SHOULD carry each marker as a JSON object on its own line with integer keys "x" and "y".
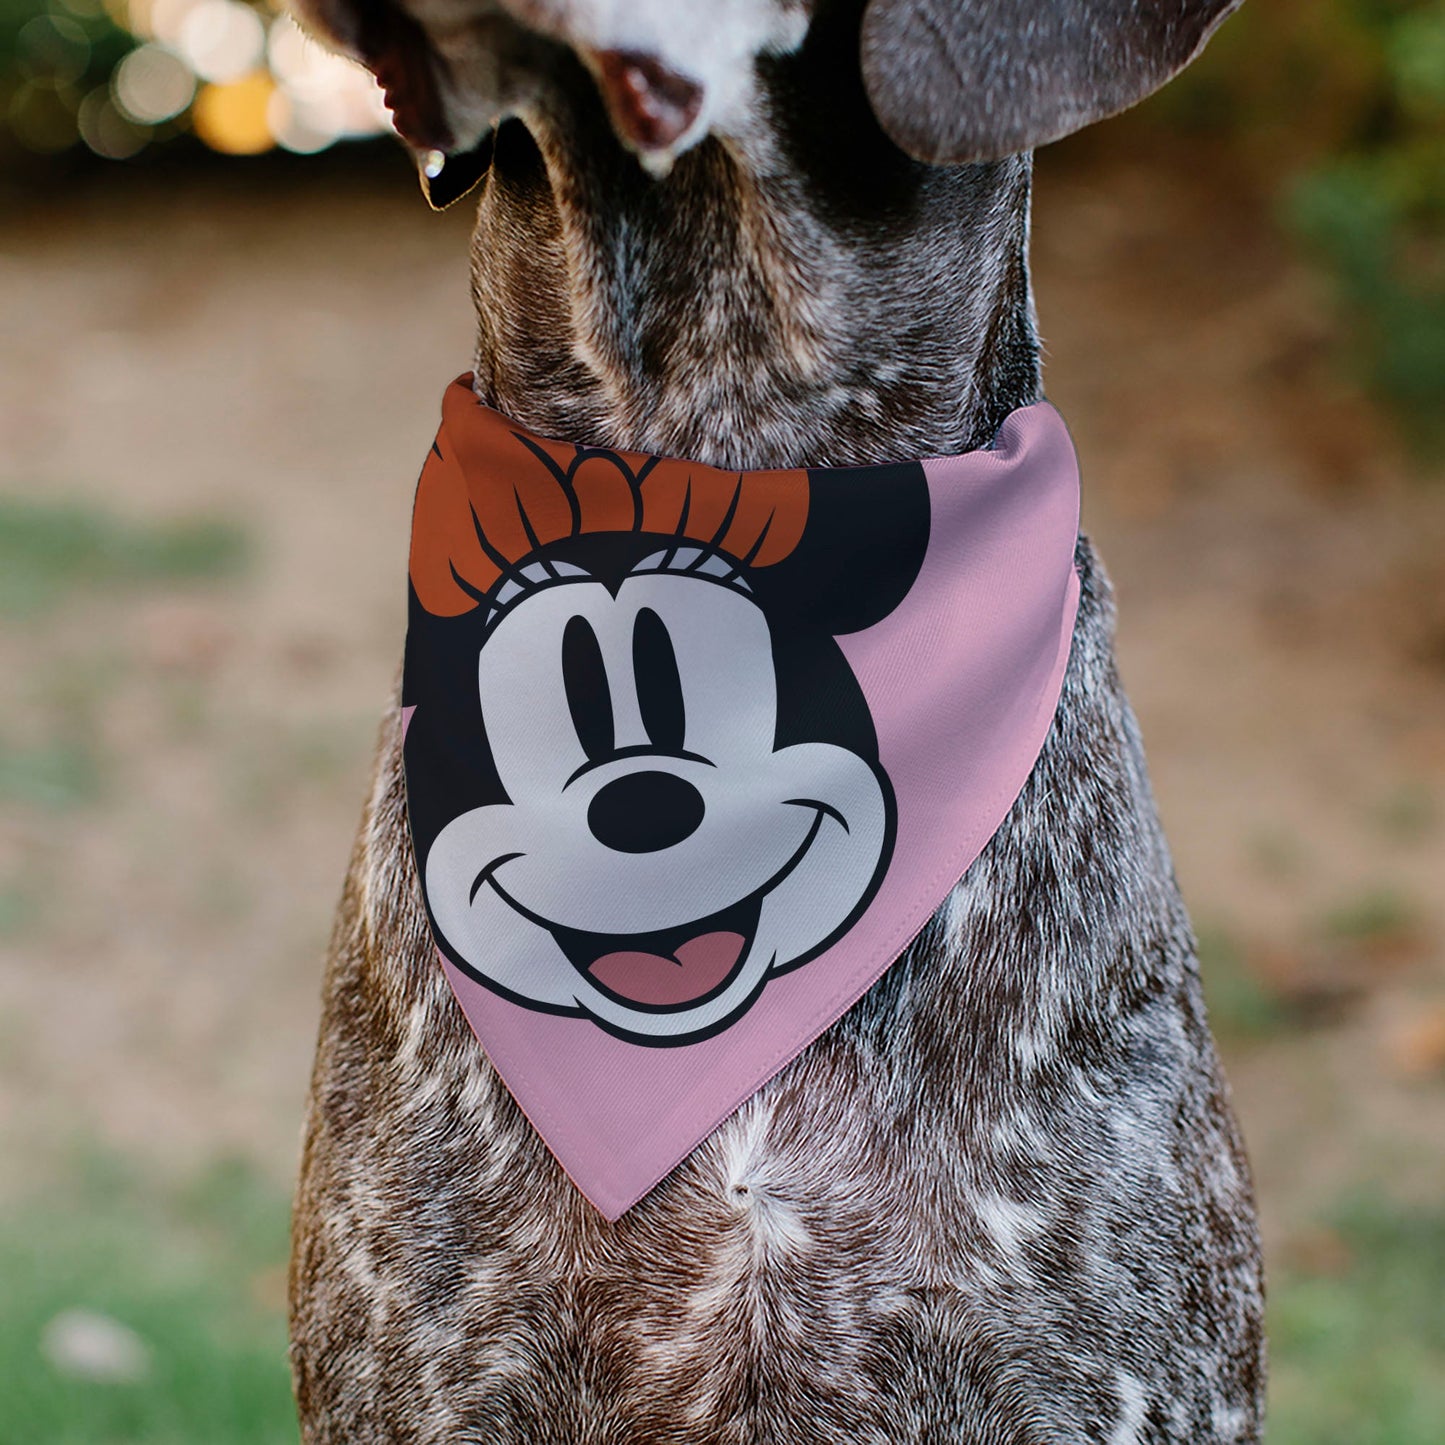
{"x": 692, "y": 755}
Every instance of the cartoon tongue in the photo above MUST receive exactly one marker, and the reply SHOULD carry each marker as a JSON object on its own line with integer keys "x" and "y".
{"x": 699, "y": 966}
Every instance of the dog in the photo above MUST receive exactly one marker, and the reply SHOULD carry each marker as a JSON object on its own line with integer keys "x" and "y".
{"x": 1003, "y": 1199}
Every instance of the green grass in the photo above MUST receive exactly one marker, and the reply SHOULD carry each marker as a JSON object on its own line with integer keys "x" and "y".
{"x": 50, "y": 549}
{"x": 1358, "y": 1355}
{"x": 1408, "y": 814}
{"x": 55, "y": 776}
{"x": 1241, "y": 1005}
{"x": 1379, "y": 914}
{"x": 17, "y": 909}
{"x": 193, "y": 1275}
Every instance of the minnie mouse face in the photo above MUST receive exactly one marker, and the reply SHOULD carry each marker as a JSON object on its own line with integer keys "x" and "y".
{"x": 683, "y": 795}
{"x": 641, "y": 775}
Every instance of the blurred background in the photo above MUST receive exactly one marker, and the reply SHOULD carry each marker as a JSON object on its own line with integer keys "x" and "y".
{"x": 226, "y": 317}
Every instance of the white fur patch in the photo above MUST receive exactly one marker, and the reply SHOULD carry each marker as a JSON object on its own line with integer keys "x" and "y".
{"x": 1133, "y": 1402}
{"x": 1009, "y": 1224}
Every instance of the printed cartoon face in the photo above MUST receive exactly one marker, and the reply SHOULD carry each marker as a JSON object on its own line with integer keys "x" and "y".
{"x": 641, "y": 775}
{"x": 659, "y": 852}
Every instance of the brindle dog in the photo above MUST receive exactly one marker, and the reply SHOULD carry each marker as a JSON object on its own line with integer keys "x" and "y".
{"x": 1003, "y": 1199}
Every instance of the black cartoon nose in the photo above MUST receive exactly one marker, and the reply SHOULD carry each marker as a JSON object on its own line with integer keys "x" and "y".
{"x": 645, "y": 812}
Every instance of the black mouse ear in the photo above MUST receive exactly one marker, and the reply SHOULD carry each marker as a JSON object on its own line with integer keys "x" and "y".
{"x": 449, "y": 763}
{"x": 975, "y": 80}
{"x": 860, "y": 551}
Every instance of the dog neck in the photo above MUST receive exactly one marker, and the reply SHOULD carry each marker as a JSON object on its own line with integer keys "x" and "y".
{"x": 801, "y": 295}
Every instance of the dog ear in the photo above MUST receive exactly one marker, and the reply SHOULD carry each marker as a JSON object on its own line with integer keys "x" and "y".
{"x": 861, "y": 549}
{"x": 975, "y": 80}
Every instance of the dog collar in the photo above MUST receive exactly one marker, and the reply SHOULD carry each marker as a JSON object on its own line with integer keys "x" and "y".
{"x": 691, "y": 755}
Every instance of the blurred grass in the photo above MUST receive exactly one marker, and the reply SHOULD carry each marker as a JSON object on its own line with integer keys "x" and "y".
{"x": 57, "y": 775}
{"x": 17, "y": 909}
{"x": 1358, "y": 1344}
{"x": 1257, "y": 989}
{"x": 51, "y": 549}
{"x": 1408, "y": 814}
{"x": 196, "y": 1274}
{"x": 1377, "y": 916}
{"x": 1241, "y": 1005}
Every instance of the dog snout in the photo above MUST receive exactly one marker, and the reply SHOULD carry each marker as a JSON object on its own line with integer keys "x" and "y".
{"x": 651, "y": 106}
{"x": 645, "y": 812}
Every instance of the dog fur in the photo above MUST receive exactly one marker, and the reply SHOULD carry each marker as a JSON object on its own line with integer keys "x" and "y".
{"x": 1003, "y": 1199}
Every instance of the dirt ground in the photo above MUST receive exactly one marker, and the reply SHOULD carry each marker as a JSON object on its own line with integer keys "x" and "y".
{"x": 273, "y": 355}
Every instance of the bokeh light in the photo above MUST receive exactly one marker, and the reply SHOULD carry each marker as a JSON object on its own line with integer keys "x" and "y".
{"x": 221, "y": 40}
{"x": 119, "y": 75}
{"x": 232, "y": 117}
{"x": 106, "y": 130}
{"x": 42, "y": 114}
{"x": 57, "y": 44}
{"x": 152, "y": 84}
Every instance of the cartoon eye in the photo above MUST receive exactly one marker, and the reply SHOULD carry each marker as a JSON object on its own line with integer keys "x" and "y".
{"x": 584, "y": 675}
{"x": 659, "y": 687}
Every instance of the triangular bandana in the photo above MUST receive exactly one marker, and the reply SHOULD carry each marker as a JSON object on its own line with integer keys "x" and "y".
{"x": 692, "y": 754}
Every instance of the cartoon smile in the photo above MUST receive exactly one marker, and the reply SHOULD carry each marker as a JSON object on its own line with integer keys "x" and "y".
{"x": 668, "y": 968}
